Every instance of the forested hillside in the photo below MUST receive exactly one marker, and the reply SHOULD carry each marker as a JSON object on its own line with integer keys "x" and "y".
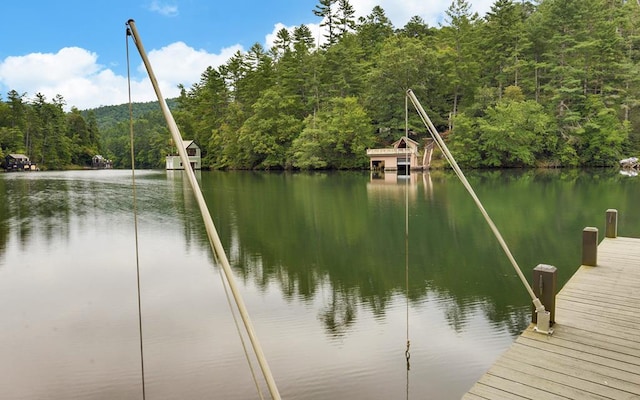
{"x": 549, "y": 83}
{"x": 108, "y": 116}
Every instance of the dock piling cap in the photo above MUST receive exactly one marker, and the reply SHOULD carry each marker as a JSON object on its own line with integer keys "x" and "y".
{"x": 544, "y": 323}
{"x": 545, "y": 268}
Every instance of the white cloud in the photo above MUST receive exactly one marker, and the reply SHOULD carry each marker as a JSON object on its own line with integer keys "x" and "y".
{"x": 179, "y": 63}
{"x": 400, "y": 11}
{"x": 75, "y": 74}
{"x": 168, "y": 10}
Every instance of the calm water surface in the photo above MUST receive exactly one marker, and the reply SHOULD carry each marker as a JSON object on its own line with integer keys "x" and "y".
{"x": 321, "y": 260}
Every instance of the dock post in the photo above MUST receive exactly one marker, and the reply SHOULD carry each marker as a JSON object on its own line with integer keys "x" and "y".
{"x": 590, "y": 246}
{"x": 611, "y": 230}
{"x": 545, "y": 278}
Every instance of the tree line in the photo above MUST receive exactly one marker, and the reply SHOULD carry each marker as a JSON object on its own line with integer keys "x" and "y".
{"x": 548, "y": 83}
{"x": 48, "y": 135}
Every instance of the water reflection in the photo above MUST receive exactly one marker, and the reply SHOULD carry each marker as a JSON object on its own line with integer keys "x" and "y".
{"x": 321, "y": 258}
{"x": 328, "y": 225}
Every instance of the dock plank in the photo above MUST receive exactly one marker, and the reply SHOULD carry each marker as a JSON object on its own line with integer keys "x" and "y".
{"x": 563, "y": 364}
{"x": 594, "y": 352}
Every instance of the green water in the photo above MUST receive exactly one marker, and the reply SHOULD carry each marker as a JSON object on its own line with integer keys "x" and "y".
{"x": 322, "y": 260}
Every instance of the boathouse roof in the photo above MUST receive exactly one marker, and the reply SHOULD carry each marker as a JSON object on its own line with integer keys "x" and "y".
{"x": 18, "y": 156}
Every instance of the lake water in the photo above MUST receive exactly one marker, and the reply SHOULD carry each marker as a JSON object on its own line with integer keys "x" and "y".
{"x": 322, "y": 261}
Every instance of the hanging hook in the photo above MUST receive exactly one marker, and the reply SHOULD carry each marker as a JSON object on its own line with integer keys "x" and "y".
{"x": 408, "y": 355}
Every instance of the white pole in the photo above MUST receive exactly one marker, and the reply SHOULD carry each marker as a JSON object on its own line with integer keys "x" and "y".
{"x": 436, "y": 136}
{"x": 214, "y": 239}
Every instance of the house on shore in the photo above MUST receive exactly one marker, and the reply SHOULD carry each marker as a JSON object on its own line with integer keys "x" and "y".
{"x": 99, "y": 162}
{"x": 173, "y": 161}
{"x": 403, "y": 156}
{"x": 19, "y": 162}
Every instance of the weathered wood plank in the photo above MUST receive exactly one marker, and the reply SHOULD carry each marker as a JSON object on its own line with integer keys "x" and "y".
{"x": 567, "y": 346}
{"x": 594, "y": 352}
{"x": 472, "y": 396}
{"x": 552, "y": 382}
{"x": 582, "y": 354}
{"x": 492, "y": 393}
{"x": 591, "y": 338}
{"x": 517, "y": 390}
{"x": 603, "y": 313}
{"x": 593, "y": 324}
{"x": 562, "y": 364}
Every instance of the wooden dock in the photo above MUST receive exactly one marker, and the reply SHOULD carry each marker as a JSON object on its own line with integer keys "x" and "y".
{"x": 594, "y": 351}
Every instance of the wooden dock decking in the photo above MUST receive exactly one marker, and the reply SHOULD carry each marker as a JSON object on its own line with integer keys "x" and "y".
{"x": 594, "y": 352}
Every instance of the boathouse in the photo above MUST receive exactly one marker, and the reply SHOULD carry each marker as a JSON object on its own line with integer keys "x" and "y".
{"x": 99, "y": 162}
{"x": 402, "y": 156}
{"x": 19, "y": 162}
{"x": 173, "y": 161}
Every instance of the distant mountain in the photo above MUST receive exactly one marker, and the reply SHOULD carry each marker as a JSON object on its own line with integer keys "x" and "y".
{"x": 109, "y": 116}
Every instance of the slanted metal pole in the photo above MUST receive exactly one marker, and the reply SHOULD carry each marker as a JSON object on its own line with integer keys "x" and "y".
{"x": 543, "y": 315}
{"x": 212, "y": 233}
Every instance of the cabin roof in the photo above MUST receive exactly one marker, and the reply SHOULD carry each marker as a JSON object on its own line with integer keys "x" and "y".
{"x": 407, "y": 140}
{"x": 18, "y": 156}
{"x": 189, "y": 143}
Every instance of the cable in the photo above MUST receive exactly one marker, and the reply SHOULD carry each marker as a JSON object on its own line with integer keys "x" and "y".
{"x": 212, "y": 233}
{"x": 135, "y": 214}
{"x": 244, "y": 346}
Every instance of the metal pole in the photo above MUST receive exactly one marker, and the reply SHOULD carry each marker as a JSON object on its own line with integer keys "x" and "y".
{"x": 212, "y": 233}
{"x": 436, "y": 136}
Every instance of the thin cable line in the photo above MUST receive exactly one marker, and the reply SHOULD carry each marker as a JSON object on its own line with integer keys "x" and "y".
{"x": 212, "y": 233}
{"x": 406, "y": 233}
{"x": 244, "y": 346}
{"x": 135, "y": 215}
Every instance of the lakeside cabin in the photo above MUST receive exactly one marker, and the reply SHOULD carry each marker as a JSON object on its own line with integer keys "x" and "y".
{"x": 19, "y": 162}
{"x": 99, "y": 162}
{"x": 173, "y": 161}
{"x": 403, "y": 156}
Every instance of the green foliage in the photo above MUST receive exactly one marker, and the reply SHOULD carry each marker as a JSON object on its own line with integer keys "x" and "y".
{"x": 266, "y": 136}
{"x": 551, "y": 82}
{"x": 336, "y": 138}
{"x": 514, "y": 134}
{"x": 511, "y": 134}
{"x": 602, "y": 134}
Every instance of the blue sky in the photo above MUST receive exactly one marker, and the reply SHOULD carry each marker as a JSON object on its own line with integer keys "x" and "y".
{"x": 77, "y": 48}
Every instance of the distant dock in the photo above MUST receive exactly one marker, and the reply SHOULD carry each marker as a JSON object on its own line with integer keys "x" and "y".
{"x": 594, "y": 351}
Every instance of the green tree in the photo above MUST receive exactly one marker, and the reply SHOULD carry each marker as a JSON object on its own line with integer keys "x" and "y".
{"x": 342, "y": 70}
{"x": 515, "y": 134}
{"x": 335, "y": 138}
{"x": 48, "y": 145}
{"x": 203, "y": 108}
{"x": 403, "y": 63}
{"x": 324, "y": 10}
{"x": 224, "y": 149}
{"x": 416, "y": 28}
{"x": 602, "y": 135}
{"x": 345, "y": 18}
{"x": 266, "y": 136}
{"x": 462, "y": 65}
{"x": 373, "y": 30}
{"x": 83, "y": 148}
{"x": 628, "y": 23}
{"x": 502, "y": 43}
